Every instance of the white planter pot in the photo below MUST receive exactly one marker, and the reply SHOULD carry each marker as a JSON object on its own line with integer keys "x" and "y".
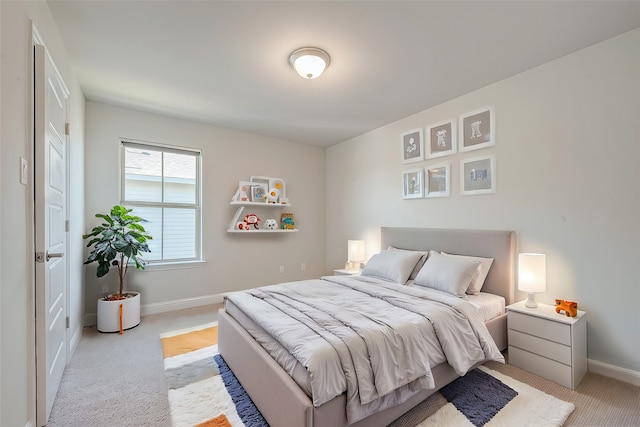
{"x": 109, "y": 313}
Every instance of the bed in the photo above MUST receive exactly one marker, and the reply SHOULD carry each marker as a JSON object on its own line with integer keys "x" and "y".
{"x": 281, "y": 399}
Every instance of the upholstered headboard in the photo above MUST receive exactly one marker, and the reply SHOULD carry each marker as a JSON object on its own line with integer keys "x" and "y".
{"x": 497, "y": 244}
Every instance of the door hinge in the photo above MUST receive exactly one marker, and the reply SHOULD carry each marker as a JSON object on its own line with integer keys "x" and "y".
{"x": 40, "y": 257}
{"x": 66, "y": 225}
{"x": 66, "y": 129}
{"x": 67, "y": 322}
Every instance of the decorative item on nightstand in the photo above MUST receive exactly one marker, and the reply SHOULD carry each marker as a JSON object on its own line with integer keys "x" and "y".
{"x": 355, "y": 254}
{"x": 532, "y": 276}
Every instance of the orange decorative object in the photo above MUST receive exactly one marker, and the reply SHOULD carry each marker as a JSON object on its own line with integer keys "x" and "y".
{"x": 570, "y": 308}
{"x": 121, "y": 330}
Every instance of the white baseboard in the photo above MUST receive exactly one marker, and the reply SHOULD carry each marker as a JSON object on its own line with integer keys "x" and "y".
{"x": 622, "y": 374}
{"x": 181, "y": 304}
{"x": 166, "y": 306}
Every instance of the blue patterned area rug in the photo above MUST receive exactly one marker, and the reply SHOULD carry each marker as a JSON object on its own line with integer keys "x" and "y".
{"x": 203, "y": 392}
{"x": 488, "y": 398}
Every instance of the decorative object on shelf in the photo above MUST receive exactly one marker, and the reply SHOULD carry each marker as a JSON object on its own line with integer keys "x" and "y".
{"x": 258, "y": 193}
{"x": 532, "y": 276}
{"x": 412, "y": 184}
{"x": 243, "y": 193}
{"x": 412, "y": 146}
{"x": 271, "y": 224}
{"x": 272, "y": 195}
{"x": 270, "y": 183}
{"x": 437, "y": 180}
{"x": 477, "y": 129}
{"x": 120, "y": 238}
{"x": 441, "y": 139}
{"x": 570, "y": 308}
{"x": 249, "y": 221}
{"x": 286, "y": 221}
{"x": 355, "y": 255}
{"x": 478, "y": 175}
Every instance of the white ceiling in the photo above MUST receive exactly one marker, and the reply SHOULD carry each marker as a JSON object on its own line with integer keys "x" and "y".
{"x": 226, "y": 63}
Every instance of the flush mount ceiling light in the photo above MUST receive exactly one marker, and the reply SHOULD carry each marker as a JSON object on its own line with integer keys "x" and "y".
{"x": 309, "y": 62}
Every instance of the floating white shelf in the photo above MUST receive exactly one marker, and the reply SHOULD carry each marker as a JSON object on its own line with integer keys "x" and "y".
{"x": 241, "y": 205}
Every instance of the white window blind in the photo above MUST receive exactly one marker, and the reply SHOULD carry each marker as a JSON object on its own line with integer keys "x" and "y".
{"x": 162, "y": 185}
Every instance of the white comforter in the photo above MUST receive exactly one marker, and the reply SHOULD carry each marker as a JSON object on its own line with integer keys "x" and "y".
{"x": 368, "y": 337}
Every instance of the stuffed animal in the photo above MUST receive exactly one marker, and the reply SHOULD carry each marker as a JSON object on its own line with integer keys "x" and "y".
{"x": 251, "y": 219}
{"x": 271, "y": 224}
{"x": 570, "y": 308}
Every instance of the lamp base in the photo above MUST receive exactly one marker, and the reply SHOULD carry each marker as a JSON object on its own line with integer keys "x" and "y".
{"x": 352, "y": 266}
{"x": 531, "y": 300}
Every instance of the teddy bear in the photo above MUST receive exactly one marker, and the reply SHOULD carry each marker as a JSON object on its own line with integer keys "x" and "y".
{"x": 570, "y": 308}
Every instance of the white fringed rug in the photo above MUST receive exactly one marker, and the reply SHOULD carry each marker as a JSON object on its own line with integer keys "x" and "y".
{"x": 203, "y": 392}
{"x": 493, "y": 405}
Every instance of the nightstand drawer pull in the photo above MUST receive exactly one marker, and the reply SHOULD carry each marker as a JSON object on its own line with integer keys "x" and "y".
{"x": 547, "y": 329}
{"x": 549, "y": 349}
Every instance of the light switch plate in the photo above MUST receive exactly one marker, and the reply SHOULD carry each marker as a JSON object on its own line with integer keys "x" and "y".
{"x": 24, "y": 171}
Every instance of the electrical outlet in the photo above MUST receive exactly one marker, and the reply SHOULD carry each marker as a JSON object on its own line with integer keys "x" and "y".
{"x": 303, "y": 266}
{"x": 282, "y": 269}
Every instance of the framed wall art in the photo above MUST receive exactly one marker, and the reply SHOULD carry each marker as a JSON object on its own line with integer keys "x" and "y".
{"x": 441, "y": 139}
{"x": 412, "y": 184}
{"x": 412, "y": 146}
{"x": 477, "y": 129}
{"x": 478, "y": 175}
{"x": 437, "y": 180}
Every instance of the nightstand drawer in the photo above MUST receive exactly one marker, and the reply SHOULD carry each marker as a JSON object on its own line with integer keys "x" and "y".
{"x": 547, "y": 329}
{"x": 546, "y": 368}
{"x": 549, "y": 349}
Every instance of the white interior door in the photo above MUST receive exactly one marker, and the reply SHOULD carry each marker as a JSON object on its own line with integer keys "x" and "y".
{"x": 50, "y": 120}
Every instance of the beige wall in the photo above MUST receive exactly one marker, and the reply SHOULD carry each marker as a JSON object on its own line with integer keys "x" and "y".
{"x": 232, "y": 261}
{"x": 567, "y": 181}
{"x": 17, "y": 376}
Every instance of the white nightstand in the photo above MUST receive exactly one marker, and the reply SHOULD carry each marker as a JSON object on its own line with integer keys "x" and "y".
{"x": 344, "y": 272}
{"x": 547, "y": 343}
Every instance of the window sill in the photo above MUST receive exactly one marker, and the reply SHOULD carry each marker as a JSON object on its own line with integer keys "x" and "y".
{"x": 175, "y": 265}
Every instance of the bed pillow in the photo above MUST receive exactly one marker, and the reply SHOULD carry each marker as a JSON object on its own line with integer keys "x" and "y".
{"x": 394, "y": 266}
{"x": 445, "y": 273}
{"x": 423, "y": 257}
{"x": 481, "y": 273}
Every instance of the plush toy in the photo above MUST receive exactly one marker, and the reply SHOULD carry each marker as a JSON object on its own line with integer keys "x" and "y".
{"x": 272, "y": 195}
{"x": 271, "y": 224}
{"x": 570, "y": 308}
{"x": 251, "y": 219}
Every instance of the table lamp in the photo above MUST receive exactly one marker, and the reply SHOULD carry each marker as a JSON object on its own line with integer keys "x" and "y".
{"x": 532, "y": 276}
{"x": 355, "y": 254}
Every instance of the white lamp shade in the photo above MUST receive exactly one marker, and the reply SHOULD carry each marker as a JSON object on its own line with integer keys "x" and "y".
{"x": 532, "y": 272}
{"x": 355, "y": 251}
{"x": 309, "y": 62}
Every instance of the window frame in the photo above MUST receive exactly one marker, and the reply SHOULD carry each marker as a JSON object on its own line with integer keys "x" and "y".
{"x": 197, "y": 206}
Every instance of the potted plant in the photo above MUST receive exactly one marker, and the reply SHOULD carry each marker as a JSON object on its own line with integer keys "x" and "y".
{"x": 118, "y": 240}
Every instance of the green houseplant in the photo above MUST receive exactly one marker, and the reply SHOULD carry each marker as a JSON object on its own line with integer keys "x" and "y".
{"x": 119, "y": 239}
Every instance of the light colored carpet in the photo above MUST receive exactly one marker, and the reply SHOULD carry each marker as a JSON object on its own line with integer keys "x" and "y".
{"x": 119, "y": 381}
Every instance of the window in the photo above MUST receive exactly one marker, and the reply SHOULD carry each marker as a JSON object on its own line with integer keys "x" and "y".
{"x": 162, "y": 185}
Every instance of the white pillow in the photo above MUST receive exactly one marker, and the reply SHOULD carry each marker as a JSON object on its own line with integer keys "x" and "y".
{"x": 394, "y": 266}
{"x": 447, "y": 274}
{"x": 419, "y": 264}
{"x": 481, "y": 273}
